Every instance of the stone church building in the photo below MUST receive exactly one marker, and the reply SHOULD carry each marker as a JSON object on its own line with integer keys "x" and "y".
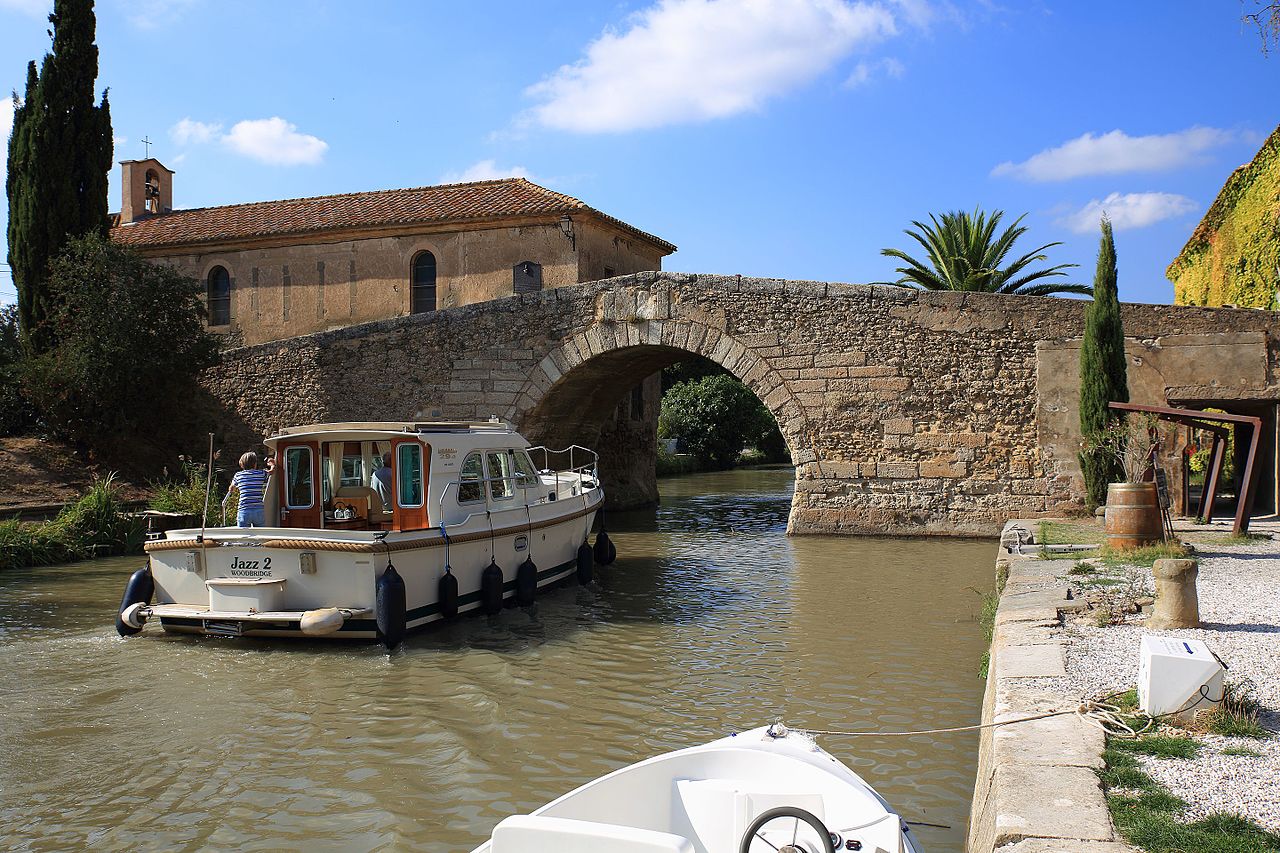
{"x": 277, "y": 269}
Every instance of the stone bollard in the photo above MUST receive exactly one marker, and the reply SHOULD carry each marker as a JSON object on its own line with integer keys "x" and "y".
{"x": 1177, "y": 605}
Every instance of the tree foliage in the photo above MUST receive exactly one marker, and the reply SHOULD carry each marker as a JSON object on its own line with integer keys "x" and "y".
{"x": 16, "y": 414}
{"x": 59, "y": 156}
{"x": 965, "y": 252}
{"x": 714, "y": 417}
{"x": 130, "y": 341}
{"x": 1103, "y": 373}
{"x": 1265, "y": 18}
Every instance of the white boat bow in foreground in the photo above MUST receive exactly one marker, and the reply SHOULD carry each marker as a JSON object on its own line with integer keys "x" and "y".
{"x": 767, "y": 790}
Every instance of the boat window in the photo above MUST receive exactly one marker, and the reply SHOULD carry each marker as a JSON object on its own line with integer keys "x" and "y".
{"x": 297, "y": 472}
{"x": 501, "y": 476}
{"x": 352, "y": 464}
{"x": 470, "y": 490}
{"x": 409, "y": 474}
{"x": 526, "y": 476}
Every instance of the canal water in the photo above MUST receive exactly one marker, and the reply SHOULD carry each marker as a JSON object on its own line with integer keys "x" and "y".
{"x": 711, "y": 621}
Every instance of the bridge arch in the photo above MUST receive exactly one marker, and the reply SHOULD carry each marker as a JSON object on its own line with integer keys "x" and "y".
{"x": 576, "y": 389}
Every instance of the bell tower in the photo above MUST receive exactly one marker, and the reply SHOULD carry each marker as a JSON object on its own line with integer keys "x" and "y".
{"x": 147, "y": 187}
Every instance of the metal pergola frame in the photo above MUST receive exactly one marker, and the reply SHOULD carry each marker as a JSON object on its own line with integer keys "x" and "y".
{"x": 1216, "y": 423}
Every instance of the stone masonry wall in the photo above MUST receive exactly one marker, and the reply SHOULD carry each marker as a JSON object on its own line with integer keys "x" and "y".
{"x": 906, "y": 412}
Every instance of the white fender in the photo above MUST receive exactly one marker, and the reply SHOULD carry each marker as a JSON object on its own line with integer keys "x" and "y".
{"x": 317, "y": 623}
{"x": 135, "y": 615}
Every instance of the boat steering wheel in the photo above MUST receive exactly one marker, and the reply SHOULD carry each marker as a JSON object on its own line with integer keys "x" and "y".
{"x": 781, "y": 814}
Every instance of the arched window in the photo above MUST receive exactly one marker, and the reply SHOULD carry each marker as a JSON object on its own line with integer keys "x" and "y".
{"x": 423, "y": 296}
{"x": 219, "y": 293}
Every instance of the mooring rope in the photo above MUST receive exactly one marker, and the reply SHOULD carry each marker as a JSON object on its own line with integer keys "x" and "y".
{"x": 1104, "y": 715}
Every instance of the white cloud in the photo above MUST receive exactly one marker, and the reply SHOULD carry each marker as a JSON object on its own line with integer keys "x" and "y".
{"x": 153, "y": 14}
{"x": 863, "y": 72}
{"x": 1116, "y": 152}
{"x": 34, "y": 8}
{"x": 189, "y": 131}
{"x": 276, "y": 142}
{"x": 6, "y": 118}
{"x": 485, "y": 170}
{"x": 1128, "y": 211}
{"x": 694, "y": 60}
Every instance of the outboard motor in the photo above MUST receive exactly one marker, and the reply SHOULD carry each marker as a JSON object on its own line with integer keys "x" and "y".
{"x": 389, "y": 607}
{"x": 526, "y": 582}
{"x": 586, "y": 563}
{"x": 138, "y": 590}
{"x": 491, "y": 589}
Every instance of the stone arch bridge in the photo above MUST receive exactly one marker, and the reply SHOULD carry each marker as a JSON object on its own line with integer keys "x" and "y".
{"x": 905, "y": 411}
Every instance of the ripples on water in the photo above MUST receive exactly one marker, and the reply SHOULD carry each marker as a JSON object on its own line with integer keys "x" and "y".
{"x": 711, "y": 621}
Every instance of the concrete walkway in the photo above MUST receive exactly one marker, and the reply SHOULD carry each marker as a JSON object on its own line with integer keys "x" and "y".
{"x": 1037, "y": 789}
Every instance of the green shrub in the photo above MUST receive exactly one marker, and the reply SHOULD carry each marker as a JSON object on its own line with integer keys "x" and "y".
{"x": 714, "y": 418}
{"x": 186, "y": 492}
{"x": 130, "y": 340}
{"x": 95, "y": 525}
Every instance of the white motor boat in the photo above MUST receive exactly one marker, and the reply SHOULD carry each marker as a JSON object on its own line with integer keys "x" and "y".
{"x": 768, "y": 790}
{"x": 476, "y": 519}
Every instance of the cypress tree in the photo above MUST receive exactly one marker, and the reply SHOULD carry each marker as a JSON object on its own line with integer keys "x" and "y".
{"x": 1103, "y": 376}
{"x": 59, "y": 158}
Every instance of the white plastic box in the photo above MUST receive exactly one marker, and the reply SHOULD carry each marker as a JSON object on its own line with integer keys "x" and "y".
{"x": 1177, "y": 677}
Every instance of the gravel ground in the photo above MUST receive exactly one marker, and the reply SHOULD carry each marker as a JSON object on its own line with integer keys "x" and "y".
{"x": 1239, "y": 590}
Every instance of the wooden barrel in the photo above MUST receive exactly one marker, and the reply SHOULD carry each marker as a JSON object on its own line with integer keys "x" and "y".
{"x": 1133, "y": 515}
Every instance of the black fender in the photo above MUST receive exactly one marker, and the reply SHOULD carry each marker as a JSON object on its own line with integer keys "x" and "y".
{"x": 586, "y": 563}
{"x": 491, "y": 589}
{"x": 389, "y": 608}
{"x": 448, "y": 595}
{"x": 526, "y": 582}
{"x": 139, "y": 590}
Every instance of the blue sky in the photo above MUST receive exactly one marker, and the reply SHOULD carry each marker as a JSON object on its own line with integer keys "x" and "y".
{"x": 783, "y": 138}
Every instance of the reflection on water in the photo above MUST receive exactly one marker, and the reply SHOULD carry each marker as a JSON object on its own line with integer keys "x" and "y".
{"x": 712, "y": 620}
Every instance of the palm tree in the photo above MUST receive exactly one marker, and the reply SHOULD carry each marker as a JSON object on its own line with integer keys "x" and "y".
{"x": 965, "y": 253}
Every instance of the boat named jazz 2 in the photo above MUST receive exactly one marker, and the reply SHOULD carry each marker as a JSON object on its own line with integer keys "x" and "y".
{"x": 476, "y": 517}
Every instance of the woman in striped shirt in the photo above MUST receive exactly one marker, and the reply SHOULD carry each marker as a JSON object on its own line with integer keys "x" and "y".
{"x": 251, "y": 483}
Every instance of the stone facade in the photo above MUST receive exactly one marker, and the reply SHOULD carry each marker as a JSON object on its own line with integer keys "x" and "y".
{"x": 906, "y": 412}
{"x": 297, "y": 289}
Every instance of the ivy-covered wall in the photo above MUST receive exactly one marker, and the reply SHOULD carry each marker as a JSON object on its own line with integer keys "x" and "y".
{"x": 1234, "y": 255}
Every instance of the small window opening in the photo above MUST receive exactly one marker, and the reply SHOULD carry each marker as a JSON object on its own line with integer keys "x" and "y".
{"x": 423, "y": 296}
{"x": 501, "y": 476}
{"x": 218, "y": 291}
{"x": 299, "y": 493}
{"x": 470, "y": 489}
{"x": 409, "y": 475}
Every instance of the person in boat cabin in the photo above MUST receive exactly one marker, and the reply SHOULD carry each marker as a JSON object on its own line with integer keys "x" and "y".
{"x": 382, "y": 480}
{"x": 250, "y": 482}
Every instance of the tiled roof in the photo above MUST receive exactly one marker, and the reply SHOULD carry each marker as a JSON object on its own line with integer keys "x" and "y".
{"x": 449, "y": 203}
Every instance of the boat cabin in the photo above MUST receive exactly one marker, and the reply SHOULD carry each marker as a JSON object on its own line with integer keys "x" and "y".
{"x": 398, "y": 476}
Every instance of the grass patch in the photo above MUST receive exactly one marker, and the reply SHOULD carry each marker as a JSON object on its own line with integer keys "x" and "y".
{"x": 1242, "y": 751}
{"x": 987, "y": 619}
{"x": 1144, "y": 556}
{"x": 1238, "y": 714}
{"x": 1148, "y": 818}
{"x": 1158, "y": 746}
{"x": 1083, "y": 568}
{"x": 1228, "y": 539}
{"x": 1068, "y": 533}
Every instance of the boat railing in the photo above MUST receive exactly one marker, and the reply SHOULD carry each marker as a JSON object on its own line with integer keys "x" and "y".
{"x": 574, "y": 453}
